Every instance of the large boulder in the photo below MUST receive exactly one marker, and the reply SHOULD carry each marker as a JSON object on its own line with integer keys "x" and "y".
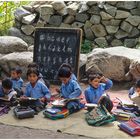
{"x": 15, "y": 59}
{"x": 115, "y": 63}
{"x": 9, "y": 44}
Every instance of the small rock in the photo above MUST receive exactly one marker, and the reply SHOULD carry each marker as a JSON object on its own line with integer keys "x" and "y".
{"x": 126, "y": 4}
{"x": 134, "y": 33}
{"x": 121, "y": 34}
{"x": 90, "y": 3}
{"x": 28, "y": 29}
{"x": 101, "y": 41}
{"x": 105, "y": 16}
{"x": 46, "y": 18}
{"x": 112, "y": 29}
{"x": 58, "y": 5}
{"x": 77, "y": 25}
{"x": 131, "y": 43}
{"x": 83, "y": 7}
{"x": 69, "y": 19}
{"x": 55, "y": 20}
{"x": 73, "y": 8}
{"x": 134, "y": 20}
{"x": 95, "y": 19}
{"x": 135, "y": 11}
{"x": 40, "y": 23}
{"x": 29, "y": 19}
{"x": 126, "y": 27}
{"x": 63, "y": 12}
{"x": 94, "y": 10}
{"x": 81, "y": 17}
{"x": 116, "y": 42}
{"x": 46, "y": 10}
{"x": 31, "y": 48}
{"x": 122, "y": 14}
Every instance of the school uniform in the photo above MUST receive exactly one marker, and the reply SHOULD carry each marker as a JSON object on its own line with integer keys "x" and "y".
{"x": 17, "y": 83}
{"x": 73, "y": 77}
{"x": 38, "y": 91}
{"x": 17, "y": 86}
{"x": 93, "y": 95}
{"x": 71, "y": 90}
{"x": 11, "y": 96}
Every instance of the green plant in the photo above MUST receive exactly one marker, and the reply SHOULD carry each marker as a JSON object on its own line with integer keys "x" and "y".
{"x": 86, "y": 46}
{"x": 7, "y": 9}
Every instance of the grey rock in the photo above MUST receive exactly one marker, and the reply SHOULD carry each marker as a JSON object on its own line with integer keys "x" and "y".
{"x": 20, "y": 13}
{"x": 134, "y": 33}
{"x": 55, "y": 20}
{"x": 126, "y": 62}
{"x": 83, "y": 7}
{"x": 28, "y": 29}
{"x": 29, "y": 19}
{"x": 40, "y": 23}
{"x": 90, "y": 3}
{"x": 139, "y": 26}
{"x": 101, "y": 41}
{"x": 112, "y": 29}
{"x": 135, "y": 11}
{"x": 87, "y": 30}
{"x": 95, "y": 19}
{"x": 28, "y": 8}
{"x": 120, "y": 14}
{"x": 94, "y": 10}
{"x": 16, "y": 32}
{"x": 31, "y": 48}
{"x": 88, "y": 34}
{"x": 116, "y": 42}
{"x": 109, "y": 38}
{"x": 81, "y": 17}
{"x": 134, "y": 20}
{"x": 121, "y": 34}
{"x": 126, "y": 4}
{"x": 126, "y": 27}
{"x": 69, "y": 19}
{"x": 46, "y": 10}
{"x": 9, "y": 44}
{"x": 77, "y": 25}
{"x": 111, "y": 22}
{"x": 73, "y": 8}
{"x": 110, "y": 9}
{"x": 63, "y": 12}
{"x": 21, "y": 59}
{"x": 105, "y": 16}
{"x": 37, "y": 8}
{"x": 111, "y": 2}
{"x": 131, "y": 43}
{"x": 98, "y": 30}
{"x": 65, "y": 25}
{"x": 58, "y": 5}
{"x": 46, "y": 18}
{"x": 17, "y": 24}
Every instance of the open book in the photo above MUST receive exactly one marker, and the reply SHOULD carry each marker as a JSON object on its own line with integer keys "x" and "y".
{"x": 63, "y": 102}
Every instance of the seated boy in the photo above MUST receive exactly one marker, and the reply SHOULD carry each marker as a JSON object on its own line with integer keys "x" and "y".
{"x": 7, "y": 93}
{"x": 17, "y": 80}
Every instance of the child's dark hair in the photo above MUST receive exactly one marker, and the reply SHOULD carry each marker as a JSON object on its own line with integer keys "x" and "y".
{"x": 7, "y": 83}
{"x": 93, "y": 76}
{"x": 137, "y": 85}
{"x": 32, "y": 70}
{"x": 67, "y": 66}
{"x": 33, "y": 65}
{"x": 17, "y": 69}
{"x": 64, "y": 72}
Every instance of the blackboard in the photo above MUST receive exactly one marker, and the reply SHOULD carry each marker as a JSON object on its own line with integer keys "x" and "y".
{"x": 54, "y": 46}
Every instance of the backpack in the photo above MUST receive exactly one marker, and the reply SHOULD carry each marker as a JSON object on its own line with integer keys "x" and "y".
{"x": 55, "y": 113}
{"x": 99, "y": 116}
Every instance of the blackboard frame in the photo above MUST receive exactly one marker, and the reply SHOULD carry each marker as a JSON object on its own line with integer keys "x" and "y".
{"x": 76, "y": 31}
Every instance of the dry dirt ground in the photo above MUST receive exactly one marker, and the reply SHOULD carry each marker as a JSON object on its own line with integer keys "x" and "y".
{"x": 12, "y": 132}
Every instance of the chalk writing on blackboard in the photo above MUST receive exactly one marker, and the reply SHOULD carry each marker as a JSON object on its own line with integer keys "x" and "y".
{"x": 54, "y": 46}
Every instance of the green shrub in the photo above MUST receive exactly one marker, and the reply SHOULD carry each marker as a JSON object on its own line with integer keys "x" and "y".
{"x": 86, "y": 46}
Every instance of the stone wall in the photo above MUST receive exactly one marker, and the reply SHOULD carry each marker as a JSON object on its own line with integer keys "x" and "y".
{"x": 106, "y": 24}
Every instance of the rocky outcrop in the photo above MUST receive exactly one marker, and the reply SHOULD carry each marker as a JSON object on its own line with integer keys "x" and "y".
{"x": 9, "y": 44}
{"x": 119, "y": 19}
{"x": 117, "y": 63}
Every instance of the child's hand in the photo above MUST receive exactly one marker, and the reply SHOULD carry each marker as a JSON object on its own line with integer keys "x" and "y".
{"x": 43, "y": 99}
{"x": 103, "y": 79}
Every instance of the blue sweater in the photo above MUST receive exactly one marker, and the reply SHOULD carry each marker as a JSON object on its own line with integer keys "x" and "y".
{"x": 38, "y": 91}
{"x": 71, "y": 89}
{"x": 17, "y": 83}
{"x": 93, "y": 95}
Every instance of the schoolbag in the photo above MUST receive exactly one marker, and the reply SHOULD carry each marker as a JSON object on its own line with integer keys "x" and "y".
{"x": 55, "y": 113}
{"x": 99, "y": 116}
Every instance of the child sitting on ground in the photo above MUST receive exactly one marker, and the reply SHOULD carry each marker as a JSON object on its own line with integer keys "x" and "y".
{"x": 40, "y": 77}
{"x": 36, "y": 89}
{"x": 135, "y": 90}
{"x": 73, "y": 77}
{"x": 7, "y": 93}
{"x": 95, "y": 93}
{"x": 17, "y": 80}
{"x": 69, "y": 89}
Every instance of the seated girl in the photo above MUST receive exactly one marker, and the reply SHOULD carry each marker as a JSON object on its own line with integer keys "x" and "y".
{"x": 36, "y": 89}
{"x": 69, "y": 89}
{"x": 95, "y": 92}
